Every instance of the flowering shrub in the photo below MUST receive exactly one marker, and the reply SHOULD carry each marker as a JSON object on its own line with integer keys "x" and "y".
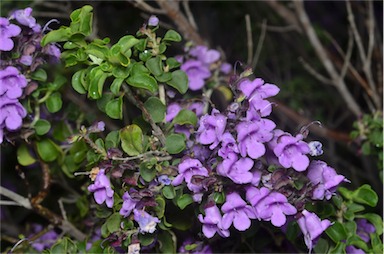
{"x": 178, "y": 160}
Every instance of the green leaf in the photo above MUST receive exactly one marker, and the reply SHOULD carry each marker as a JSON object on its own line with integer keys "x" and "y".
{"x": 172, "y": 63}
{"x": 146, "y": 239}
{"x": 376, "y": 242}
{"x": 185, "y": 116}
{"x": 172, "y": 35}
{"x": 179, "y": 81}
{"x": 113, "y": 222}
{"x": 127, "y": 42}
{"x": 164, "y": 77}
{"x": 141, "y": 79}
{"x": 167, "y": 242}
{"x": 114, "y": 108}
{"x": 82, "y": 20}
{"x": 132, "y": 140}
{"x": 175, "y": 143}
{"x": 147, "y": 172}
{"x": 47, "y": 150}
{"x": 155, "y": 65}
{"x": 375, "y": 219}
{"x": 321, "y": 246}
{"x": 24, "y": 157}
{"x": 103, "y": 101}
{"x": 352, "y": 208}
{"x": 365, "y": 195}
{"x": 160, "y": 208}
{"x": 77, "y": 81}
{"x": 156, "y": 109}
{"x": 358, "y": 242}
{"x": 112, "y": 139}
{"x": 338, "y": 249}
{"x": 42, "y": 127}
{"x": 219, "y": 197}
{"x": 169, "y": 192}
{"x": 59, "y": 81}
{"x": 97, "y": 79}
{"x": 39, "y": 75}
{"x": 54, "y": 102}
{"x": 64, "y": 245}
{"x": 184, "y": 201}
{"x": 115, "y": 86}
{"x": 62, "y": 34}
{"x": 337, "y": 232}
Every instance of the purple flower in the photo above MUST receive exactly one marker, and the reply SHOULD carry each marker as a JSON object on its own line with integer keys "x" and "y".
{"x": 350, "y": 249}
{"x": 236, "y": 170}
{"x": 102, "y": 189}
{"x": 187, "y": 169}
{"x": 128, "y": 205}
{"x": 53, "y": 51}
{"x": 45, "y": 241}
{"x": 97, "y": 127}
{"x": 324, "y": 178}
{"x": 236, "y": 211}
{"x": 7, "y": 31}
{"x": 172, "y": 110}
{"x": 205, "y": 55}
{"x": 316, "y": 148}
{"x": 228, "y": 146}
{"x": 197, "y": 107}
{"x": 147, "y": 223}
{"x": 364, "y": 228}
{"x": 153, "y": 21}
{"x": 24, "y": 18}
{"x": 212, "y": 222}
{"x": 252, "y": 135}
{"x": 211, "y": 129}
{"x": 196, "y": 73}
{"x": 200, "y": 247}
{"x": 12, "y": 82}
{"x": 225, "y": 68}
{"x": 270, "y": 206}
{"x": 291, "y": 152}
{"x": 12, "y": 114}
{"x": 312, "y": 227}
{"x": 26, "y": 60}
{"x": 164, "y": 179}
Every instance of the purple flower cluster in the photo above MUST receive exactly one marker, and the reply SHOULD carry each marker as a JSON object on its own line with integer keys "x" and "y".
{"x": 102, "y": 190}
{"x": 241, "y": 144}
{"x": 21, "y": 39}
{"x": 46, "y": 240}
{"x": 198, "y": 64}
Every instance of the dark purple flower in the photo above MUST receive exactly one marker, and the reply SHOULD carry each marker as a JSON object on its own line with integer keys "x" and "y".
{"x": 236, "y": 211}
{"x": 364, "y": 228}
{"x": 12, "y": 82}
{"x": 291, "y": 152}
{"x": 236, "y": 170}
{"x": 172, "y": 110}
{"x": 24, "y": 18}
{"x": 196, "y": 73}
{"x": 350, "y": 249}
{"x": 153, "y": 21}
{"x": 164, "y": 179}
{"x": 324, "y": 178}
{"x": 212, "y": 222}
{"x": 12, "y": 114}
{"x": 252, "y": 135}
{"x": 228, "y": 146}
{"x": 53, "y": 51}
{"x": 7, "y": 31}
{"x": 187, "y": 169}
{"x": 102, "y": 189}
{"x": 201, "y": 153}
{"x": 312, "y": 227}
{"x": 147, "y": 223}
{"x": 205, "y": 55}
{"x": 45, "y": 241}
{"x": 316, "y": 148}
{"x": 128, "y": 205}
{"x": 211, "y": 129}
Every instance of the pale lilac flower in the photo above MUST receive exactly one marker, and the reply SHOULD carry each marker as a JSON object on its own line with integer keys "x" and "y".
{"x": 7, "y": 31}
{"x": 324, "y": 178}
{"x": 236, "y": 211}
{"x": 238, "y": 170}
{"x": 153, "y": 20}
{"x": 164, "y": 179}
{"x": 225, "y": 68}
{"x": 316, "y": 148}
{"x": 26, "y": 60}
{"x": 53, "y": 51}
{"x": 205, "y": 55}
{"x": 196, "y": 72}
{"x": 312, "y": 227}
{"x": 12, "y": 82}
{"x": 187, "y": 169}
{"x": 172, "y": 110}
{"x": 128, "y": 205}
{"x": 212, "y": 222}
{"x": 197, "y": 108}
{"x": 12, "y": 114}
{"x": 102, "y": 189}
{"x": 255, "y": 195}
{"x": 97, "y": 127}
{"x": 228, "y": 146}
{"x": 211, "y": 129}
{"x": 24, "y": 18}
{"x": 252, "y": 135}
{"x": 350, "y": 249}
{"x": 291, "y": 152}
{"x": 147, "y": 223}
{"x": 364, "y": 228}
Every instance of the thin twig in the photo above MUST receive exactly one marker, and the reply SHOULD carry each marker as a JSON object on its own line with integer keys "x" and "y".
{"x": 141, "y": 4}
{"x": 259, "y": 44}
{"x": 286, "y": 14}
{"x": 280, "y": 29}
{"x": 15, "y": 197}
{"x": 140, "y": 156}
{"x": 347, "y": 58}
{"x": 9, "y": 203}
{"x": 314, "y": 73}
{"x": 191, "y": 19}
{"x": 249, "y": 39}
{"x": 62, "y": 209}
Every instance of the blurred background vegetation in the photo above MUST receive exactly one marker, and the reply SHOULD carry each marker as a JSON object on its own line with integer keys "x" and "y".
{"x": 273, "y": 38}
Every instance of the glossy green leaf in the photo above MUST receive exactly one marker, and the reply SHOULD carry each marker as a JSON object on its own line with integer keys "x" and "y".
{"x": 82, "y": 20}
{"x": 114, "y": 108}
{"x": 146, "y": 239}
{"x": 113, "y": 222}
{"x": 219, "y": 197}
{"x": 172, "y": 35}
{"x": 175, "y": 143}
{"x": 39, "y": 75}
{"x": 97, "y": 79}
{"x": 132, "y": 140}
{"x": 164, "y": 77}
{"x": 179, "y": 81}
{"x": 377, "y": 244}
{"x": 62, "y": 34}
{"x": 337, "y": 232}
{"x": 160, "y": 208}
{"x": 167, "y": 241}
{"x": 184, "y": 201}
{"x": 77, "y": 82}
{"x": 338, "y": 249}
{"x": 358, "y": 242}
{"x": 156, "y": 109}
{"x": 127, "y": 42}
{"x": 365, "y": 195}
{"x": 112, "y": 139}
{"x": 54, "y": 102}
{"x": 169, "y": 192}
{"x": 42, "y": 127}
{"x": 155, "y": 65}
{"x": 24, "y": 157}
{"x": 185, "y": 116}
{"x": 172, "y": 63}
{"x": 147, "y": 172}
{"x": 47, "y": 150}
{"x": 103, "y": 101}
{"x": 141, "y": 79}
{"x": 115, "y": 86}
{"x": 64, "y": 245}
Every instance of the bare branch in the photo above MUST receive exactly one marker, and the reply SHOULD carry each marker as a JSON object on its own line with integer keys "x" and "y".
{"x": 280, "y": 29}
{"x": 249, "y": 38}
{"x": 141, "y": 4}
{"x": 15, "y": 197}
{"x": 259, "y": 44}
{"x": 286, "y": 14}
{"x": 314, "y": 73}
{"x": 347, "y": 57}
{"x": 191, "y": 19}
